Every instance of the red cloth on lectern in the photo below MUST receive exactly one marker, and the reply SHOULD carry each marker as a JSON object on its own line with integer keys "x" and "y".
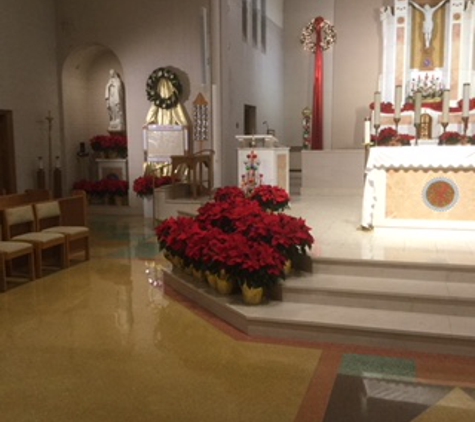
{"x": 317, "y": 120}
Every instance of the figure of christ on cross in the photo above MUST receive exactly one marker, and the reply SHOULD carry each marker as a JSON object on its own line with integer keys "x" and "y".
{"x": 428, "y": 25}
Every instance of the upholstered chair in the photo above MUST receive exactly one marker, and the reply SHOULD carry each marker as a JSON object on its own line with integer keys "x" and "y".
{"x": 19, "y": 224}
{"x": 9, "y": 252}
{"x": 49, "y": 220}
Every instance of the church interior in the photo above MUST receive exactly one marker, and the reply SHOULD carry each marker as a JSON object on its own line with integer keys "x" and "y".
{"x": 117, "y": 117}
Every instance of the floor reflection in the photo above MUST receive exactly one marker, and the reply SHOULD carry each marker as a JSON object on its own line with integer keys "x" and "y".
{"x": 105, "y": 340}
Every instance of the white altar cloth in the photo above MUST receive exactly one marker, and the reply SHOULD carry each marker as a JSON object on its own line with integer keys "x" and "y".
{"x": 423, "y": 157}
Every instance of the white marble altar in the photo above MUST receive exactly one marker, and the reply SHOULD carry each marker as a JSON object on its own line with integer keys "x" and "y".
{"x": 453, "y": 166}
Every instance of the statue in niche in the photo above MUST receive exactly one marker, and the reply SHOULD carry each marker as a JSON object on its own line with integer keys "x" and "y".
{"x": 428, "y": 25}
{"x": 115, "y": 102}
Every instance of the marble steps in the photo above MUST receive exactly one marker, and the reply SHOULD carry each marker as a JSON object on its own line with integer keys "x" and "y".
{"x": 384, "y": 285}
{"x": 295, "y": 182}
{"x": 409, "y": 306}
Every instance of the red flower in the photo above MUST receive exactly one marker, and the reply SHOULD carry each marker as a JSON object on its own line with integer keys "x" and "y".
{"x": 109, "y": 143}
{"x": 238, "y": 237}
{"x": 144, "y": 185}
{"x": 272, "y": 198}
{"x": 228, "y": 193}
{"x": 450, "y": 138}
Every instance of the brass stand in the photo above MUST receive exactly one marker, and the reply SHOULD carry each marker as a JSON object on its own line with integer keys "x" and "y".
{"x": 444, "y": 129}
{"x": 57, "y": 183}
{"x": 376, "y": 129}
{"x": 465, "y": 124}
{"x": 41, "y": 179}
{"x": 396, "y": 123}
{"x": 418, "y": 132}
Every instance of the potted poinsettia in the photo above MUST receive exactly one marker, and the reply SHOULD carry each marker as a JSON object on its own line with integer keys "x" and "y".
{"x": 144, "y": 185}
{"x": 390, "y": 137}
{"x": 236, "y": 240}
{"x": 109, "y": 146}
{"x": 228, "y": 193}
{"x": 271, "y": 198}
{"x": 450, "y": 138}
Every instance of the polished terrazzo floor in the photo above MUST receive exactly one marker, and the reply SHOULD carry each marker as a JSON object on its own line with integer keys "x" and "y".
{"x": 105, "y": 340}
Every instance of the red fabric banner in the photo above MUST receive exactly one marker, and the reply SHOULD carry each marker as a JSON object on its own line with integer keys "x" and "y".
{"x": 317, "y": 119}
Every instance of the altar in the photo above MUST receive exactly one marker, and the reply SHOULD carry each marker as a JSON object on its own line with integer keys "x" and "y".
{"x": 420, "y": 187}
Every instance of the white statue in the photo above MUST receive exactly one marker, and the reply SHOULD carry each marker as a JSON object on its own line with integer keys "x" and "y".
{"x": 428, "y": 25}
{"x": 115, "y": 102}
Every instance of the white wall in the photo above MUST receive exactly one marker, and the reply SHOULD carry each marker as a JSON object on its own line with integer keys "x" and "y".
{"x": 84, "y": 77}
{"x": 356, "y": 68}
{"x": 299, "y": 69}
{"x": 146, "y": 34}
{"x": 352, "y": 67}
{"x": 28, "y": 81}
{"x": 250, "y": 76}
{"x": 143, "y": 35}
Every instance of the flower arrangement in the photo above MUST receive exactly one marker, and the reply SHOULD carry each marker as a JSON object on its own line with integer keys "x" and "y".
{"x": 455, "y": 138}
{"x": 116, "y": 187}
{"x": 272, "y": 198}
{"x": 236, "y": 237}
{"x": 388, "y": 136}
{"x": 144, "y": 185}
{"x": 104, "y": 187}
{"x": 227, "y": 193}
{"x": 110, "y": 145}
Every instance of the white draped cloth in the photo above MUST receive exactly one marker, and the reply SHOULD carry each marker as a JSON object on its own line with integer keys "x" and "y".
{"x": 417, "y": 157}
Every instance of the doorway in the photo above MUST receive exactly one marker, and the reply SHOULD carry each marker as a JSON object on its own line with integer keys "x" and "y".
{"x": 7, "y": 153}
{"x": 249, "y": 119}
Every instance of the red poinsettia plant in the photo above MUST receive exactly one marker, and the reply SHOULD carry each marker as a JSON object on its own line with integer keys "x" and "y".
{"x": 103, "y": 187}
{"x": 451, "y": 138}
{"x": 116, "y": 187}
{"x": 228, "y": 193}
{"x": 389, "y": 136}
{"x": 144, "y": 185}
{"x": 271, "y": 198}
{"x": 112, "y": 143}
{"x": 237, "y": 237}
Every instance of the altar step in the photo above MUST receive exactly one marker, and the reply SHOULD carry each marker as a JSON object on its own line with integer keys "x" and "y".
{"x": 402, "y": 287}
{"x": 295, "y": 182}
{"x": 382, "y": 304}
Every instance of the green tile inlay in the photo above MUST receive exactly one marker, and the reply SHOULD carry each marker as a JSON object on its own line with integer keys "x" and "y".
{"x": 378, "y": 367}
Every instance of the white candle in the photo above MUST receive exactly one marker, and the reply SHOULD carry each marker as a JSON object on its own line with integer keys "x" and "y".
{"x": 57, "y": 162}
{"x": 397, "y": 102}
{"x": 367, "y": 131}
{"x": 465, "y": 100}
{"x": 417, "y": 107}
{"x": 40, "y": 163}
{"x": 377, "y": 108}
{"x": 446, "y": 106}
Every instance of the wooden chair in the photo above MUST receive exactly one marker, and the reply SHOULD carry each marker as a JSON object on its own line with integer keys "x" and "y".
{"x": 19, "y": 224}
{"x": 9, "y": 251}
{"x": 196, "y": 165}
{"x": 49, "y": 220}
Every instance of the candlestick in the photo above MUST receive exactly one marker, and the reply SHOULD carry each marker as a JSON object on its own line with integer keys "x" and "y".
{"x": 49, "y": 119}
{"x": 397, "y": 102}
{"x": 377, "y": 109}
{"x": 417, "y": 107}
{"x": 445, "y": 106}
{"x": 367, "y": 131}
{"x": 465, "y": 100}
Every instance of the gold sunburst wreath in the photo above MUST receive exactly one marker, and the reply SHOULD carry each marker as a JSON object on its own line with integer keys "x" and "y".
{"x": 153, "y": 93}
{"x": 328, "y": 36}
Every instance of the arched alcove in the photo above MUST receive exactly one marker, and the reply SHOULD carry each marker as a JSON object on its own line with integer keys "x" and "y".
{"x": 84, "y": 77}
